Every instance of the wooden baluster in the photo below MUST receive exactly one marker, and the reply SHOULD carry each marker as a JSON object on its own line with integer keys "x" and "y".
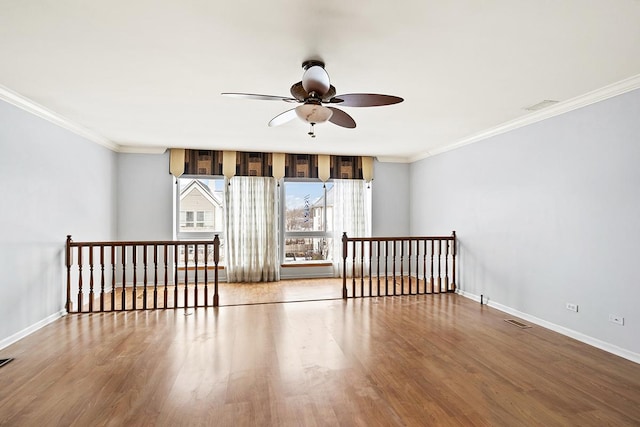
{"x": 386, "y": 268}
{"x": 195, "y": 275}
{"x": 175, "y": 279}
{"x": 439, "y": 265}
{"x": 394, "y": 266}
{"x": 446, "y": 266}
{"x": 453, "y": 263}
{"x": 102, "y": 278}
{"x": 216, "y": 260}
{"x": 344, "y": 265}
{"x": 431, "y": 280}
{"x": 166, "y": 276}
{"x": 186, "y": 276}
{"x": 361, "y": 268}
{"x": 378, "y": 266}
{"x": 91, "y": 294}
{"x": 418, "y": 255}
{"x": 206, "y": 275}
{"x": 134, "y": 259}
{"x": 113, "y": 277}
{"x": 353, "y": 268}
{"x": 68, "y": 256}
{"x": 145, "y": 277}
{"x": 424, "y": 266}
{"x": 401, "y": 267}
{"x": 370, "y": 254}
{"x": 124, "y": 277}
{"x": 80, "y": 296}
{"x": 409, "y": 265}
{"x": 155, "y": 276}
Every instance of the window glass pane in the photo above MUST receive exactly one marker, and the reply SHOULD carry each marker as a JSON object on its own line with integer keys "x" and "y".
{"x": 201, "y": 205}
{"x": 307, "y": 249}
{"x": 305, "y": 208}
{"x": 191, "y": 257}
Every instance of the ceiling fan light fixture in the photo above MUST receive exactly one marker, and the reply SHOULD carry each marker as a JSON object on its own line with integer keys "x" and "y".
{"x": 316, "y": 79}
{"x": 314, "y": 113}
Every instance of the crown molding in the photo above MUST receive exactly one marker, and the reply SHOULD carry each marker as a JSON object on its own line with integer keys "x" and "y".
{"x": 36, "y": 109}
{"x": 606, "y": 92}
{"x": 132, "y": 149}
{"x": 393, "y": 159}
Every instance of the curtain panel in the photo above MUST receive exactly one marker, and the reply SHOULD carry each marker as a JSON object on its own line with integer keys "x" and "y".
{"x": 351, "y": 214}
{"x": 251, "y": 230}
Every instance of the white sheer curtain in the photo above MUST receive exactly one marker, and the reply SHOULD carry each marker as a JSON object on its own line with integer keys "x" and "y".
{"x": 251, "y": 238}
{"x": 351, "y": 214}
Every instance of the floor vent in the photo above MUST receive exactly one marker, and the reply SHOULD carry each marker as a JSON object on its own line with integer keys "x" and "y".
{"x": 516, "y": 323}
{"x": 5, "y": 361}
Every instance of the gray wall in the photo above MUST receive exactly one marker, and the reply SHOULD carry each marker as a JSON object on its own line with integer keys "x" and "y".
{"x": 390, "y": 200}
{"x": 145, "y": 197}
{"x": 547, "y": 214}
{"x": 53, "y": 183}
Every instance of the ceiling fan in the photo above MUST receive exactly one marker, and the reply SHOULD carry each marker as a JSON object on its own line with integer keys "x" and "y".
{"x": 313, "y": 92}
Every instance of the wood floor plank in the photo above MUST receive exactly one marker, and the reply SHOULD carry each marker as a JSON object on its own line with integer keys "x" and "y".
{"x": 410, "y": 360}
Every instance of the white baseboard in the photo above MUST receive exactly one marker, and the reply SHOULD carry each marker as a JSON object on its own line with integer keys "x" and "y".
{"x": 602, "y": 345}
{"x": 31, "y": 329}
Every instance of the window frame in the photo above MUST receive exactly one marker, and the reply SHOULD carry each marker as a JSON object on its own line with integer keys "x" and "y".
{"x": 317, "y": 234}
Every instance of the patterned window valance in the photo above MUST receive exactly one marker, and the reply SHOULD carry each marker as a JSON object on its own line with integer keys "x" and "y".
{"x": 209, "y": 162}
{"x": 203, "y": 162}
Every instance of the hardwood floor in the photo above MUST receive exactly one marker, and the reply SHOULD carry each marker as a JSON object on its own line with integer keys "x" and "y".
{"x": 412, "y": 360}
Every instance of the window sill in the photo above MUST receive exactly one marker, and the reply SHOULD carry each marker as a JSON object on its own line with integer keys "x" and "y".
{"x": 307, "y": 264}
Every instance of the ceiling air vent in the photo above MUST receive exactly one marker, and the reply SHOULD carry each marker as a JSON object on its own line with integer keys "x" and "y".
{"x": 540, "y": 105}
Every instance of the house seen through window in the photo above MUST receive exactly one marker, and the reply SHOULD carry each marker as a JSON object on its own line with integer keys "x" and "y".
{"x": 200, "y": 215}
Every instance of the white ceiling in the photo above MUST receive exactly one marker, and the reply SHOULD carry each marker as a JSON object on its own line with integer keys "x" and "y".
{"x": 146, "y": 75}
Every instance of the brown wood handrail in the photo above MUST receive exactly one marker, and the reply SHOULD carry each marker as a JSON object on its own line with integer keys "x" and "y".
{"x": 140, "y": 242}
{"x": 389, "y": 239}
{"x": 384, "y": 265}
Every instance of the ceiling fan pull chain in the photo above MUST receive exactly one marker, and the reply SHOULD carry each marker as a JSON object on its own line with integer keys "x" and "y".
{"x": 312, "y": 132}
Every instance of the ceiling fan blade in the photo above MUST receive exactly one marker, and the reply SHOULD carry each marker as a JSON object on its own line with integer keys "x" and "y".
{"x": 259, "y": 97}
{"x": 367, "y": 100}
{"x": 341, "y": 118}
{"x": 283, "y": 118}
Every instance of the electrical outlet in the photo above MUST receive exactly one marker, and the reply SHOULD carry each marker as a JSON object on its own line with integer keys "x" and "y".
{"x": 572, "y": 307}
{"x": 619, "y": 320}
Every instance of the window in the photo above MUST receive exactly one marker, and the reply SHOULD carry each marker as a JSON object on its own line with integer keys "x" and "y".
{"x": 307, "y": 221}
{"x": 200, "y": 216}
